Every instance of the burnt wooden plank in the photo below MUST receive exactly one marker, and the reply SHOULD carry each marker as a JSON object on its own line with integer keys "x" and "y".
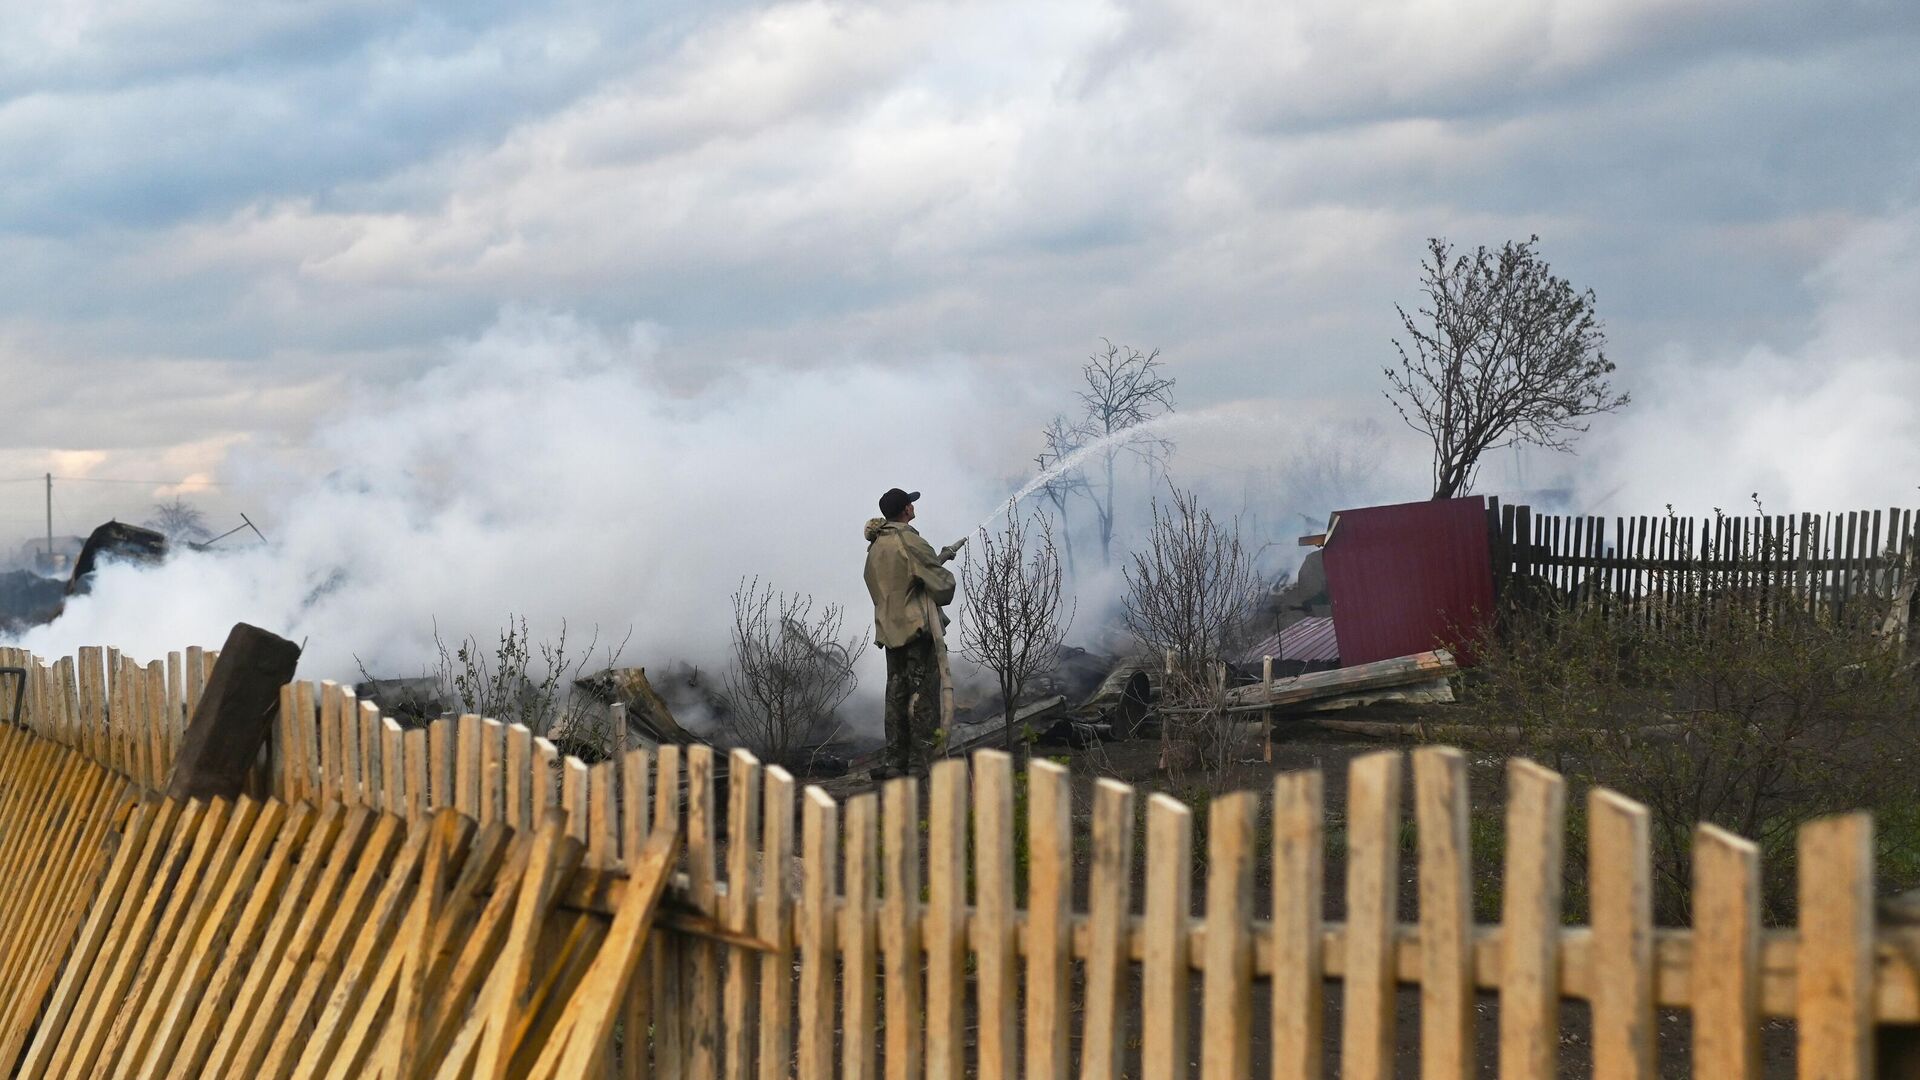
{"x": 234, "y": 714}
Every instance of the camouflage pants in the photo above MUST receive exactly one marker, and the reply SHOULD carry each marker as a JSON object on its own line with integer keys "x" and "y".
{"x": 913, "y": 704}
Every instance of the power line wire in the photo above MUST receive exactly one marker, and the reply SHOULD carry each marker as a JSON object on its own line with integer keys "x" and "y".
{"x": 42, "y": 478}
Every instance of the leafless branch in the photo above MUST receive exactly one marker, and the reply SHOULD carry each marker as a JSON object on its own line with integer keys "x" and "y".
{"x": 792, "y": 669}
{"x": 1015, "y": 616}
{"x": 1125, "y": 389}
{"x": 1504, "y": 353}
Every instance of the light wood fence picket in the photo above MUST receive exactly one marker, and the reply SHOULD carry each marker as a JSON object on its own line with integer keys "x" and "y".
{"x": 889, "y": 936}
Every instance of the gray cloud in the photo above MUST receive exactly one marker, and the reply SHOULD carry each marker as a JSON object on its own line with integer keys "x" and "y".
{"x": 218, "y": 214}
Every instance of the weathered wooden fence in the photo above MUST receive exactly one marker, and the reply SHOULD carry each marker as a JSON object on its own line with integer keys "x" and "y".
{"x": 936, "y": 927}
{"x": 263, "y": 937}
{"x": 1830, "y": 560}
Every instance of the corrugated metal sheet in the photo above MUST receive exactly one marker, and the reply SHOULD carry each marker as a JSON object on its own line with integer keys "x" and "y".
{"x": 1408, "y": 578}
{"x": 1310, "y": 640}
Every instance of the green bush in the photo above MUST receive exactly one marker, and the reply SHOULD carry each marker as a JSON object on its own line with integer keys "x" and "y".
{"x": 1724, "y": 705}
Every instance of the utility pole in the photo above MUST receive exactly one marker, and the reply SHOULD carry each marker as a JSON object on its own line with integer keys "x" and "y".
{"x": 49, "y": 521}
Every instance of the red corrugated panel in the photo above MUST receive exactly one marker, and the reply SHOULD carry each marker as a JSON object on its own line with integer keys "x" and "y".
{"x": 1408, "y": 578}
{"x": 1310, "y": 639}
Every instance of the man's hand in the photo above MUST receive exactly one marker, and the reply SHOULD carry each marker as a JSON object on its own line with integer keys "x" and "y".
{"x": 947, "y": 553}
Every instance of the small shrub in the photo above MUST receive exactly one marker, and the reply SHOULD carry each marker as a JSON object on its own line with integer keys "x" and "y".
{"x": 1722, "y": 706}
{"x": 792, "y": 669}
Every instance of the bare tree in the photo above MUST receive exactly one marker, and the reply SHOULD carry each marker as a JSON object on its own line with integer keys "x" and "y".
{"x": 1504, "y": 353}
{"x": 1015, "y": 616}
{"x": 1193, "y": 587}
{"x": 792, "y": 668}
{"x": 1125, "y": 390}
{"x": 179, "y": 520}
{"x": 1190, "y": 594}
{"x": 1062, "y": 440}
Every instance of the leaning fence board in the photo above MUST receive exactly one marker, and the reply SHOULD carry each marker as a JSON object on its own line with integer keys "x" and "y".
{"x": 236, "y": 852}
{"x": 191, "y": 846}
{"x": 241, "y": 1046}
{"x": 589, "y": 1018}
{"x": 318, "y": 958}
{"x": 364, "y": 961}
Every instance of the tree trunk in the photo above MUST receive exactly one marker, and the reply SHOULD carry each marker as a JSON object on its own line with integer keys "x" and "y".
{"x": 1007, "y": 694}
{"x": 1106, "y": 517}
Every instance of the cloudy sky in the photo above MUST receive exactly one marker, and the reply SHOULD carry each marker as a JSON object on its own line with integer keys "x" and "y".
{"x": 224, "y": 222}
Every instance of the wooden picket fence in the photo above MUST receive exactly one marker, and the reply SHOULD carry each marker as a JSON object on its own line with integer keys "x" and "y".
{"x": 1820, "y": 560}
{"x": 891, "y": 935}
{"x": 147, "y": 936}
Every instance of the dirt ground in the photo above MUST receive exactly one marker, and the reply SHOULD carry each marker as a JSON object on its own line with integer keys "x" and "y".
{"x": 1304, "y": 746}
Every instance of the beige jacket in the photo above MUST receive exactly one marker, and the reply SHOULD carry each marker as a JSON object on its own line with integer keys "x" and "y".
{"x": 903, "y": 571}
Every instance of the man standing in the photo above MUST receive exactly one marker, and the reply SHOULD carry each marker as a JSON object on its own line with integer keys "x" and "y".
{"x": 910, "y": 584}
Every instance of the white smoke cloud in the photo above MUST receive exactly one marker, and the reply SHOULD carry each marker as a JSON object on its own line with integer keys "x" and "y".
{"x": 544, "y": 470}
{"x": 1826, "y": 426}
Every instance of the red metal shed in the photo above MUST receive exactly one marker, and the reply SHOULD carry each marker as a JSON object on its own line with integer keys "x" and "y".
{"x": 1408, "y": 578}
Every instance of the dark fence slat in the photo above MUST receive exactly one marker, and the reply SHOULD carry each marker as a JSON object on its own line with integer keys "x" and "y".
{"x": 1643, "y": 565}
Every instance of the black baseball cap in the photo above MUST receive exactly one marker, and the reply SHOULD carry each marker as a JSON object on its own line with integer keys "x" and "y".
{"x": 895, "y": 501}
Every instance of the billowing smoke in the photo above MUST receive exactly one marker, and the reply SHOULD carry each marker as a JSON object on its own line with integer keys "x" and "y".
{"x": 1821, "y": 427}
{"x": 545, "y": 470}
